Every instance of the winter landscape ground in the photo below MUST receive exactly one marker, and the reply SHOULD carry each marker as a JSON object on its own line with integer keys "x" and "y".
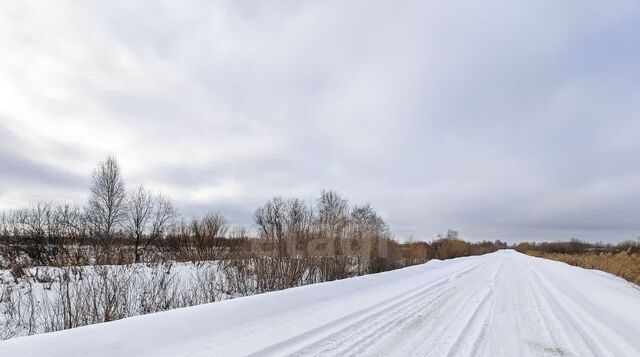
{"x": 499, "y": 304}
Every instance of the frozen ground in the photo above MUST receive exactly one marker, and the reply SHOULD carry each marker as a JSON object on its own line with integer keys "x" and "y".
{"x": 500, "y": 304}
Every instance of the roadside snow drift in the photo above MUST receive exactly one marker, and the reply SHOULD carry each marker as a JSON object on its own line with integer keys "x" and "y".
{"x": 500, "y": 304}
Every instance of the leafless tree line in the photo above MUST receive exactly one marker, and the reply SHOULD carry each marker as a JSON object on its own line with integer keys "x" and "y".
{"x": 67, "y": 234}
{"x": 61, "y": 234}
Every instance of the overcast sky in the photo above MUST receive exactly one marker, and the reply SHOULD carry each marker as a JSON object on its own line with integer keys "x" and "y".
{"x": 502, "y": 119}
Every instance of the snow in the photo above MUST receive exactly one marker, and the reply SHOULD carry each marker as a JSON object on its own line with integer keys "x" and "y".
{"x": 499, "y": 304}
{"x": 35, "y": 302}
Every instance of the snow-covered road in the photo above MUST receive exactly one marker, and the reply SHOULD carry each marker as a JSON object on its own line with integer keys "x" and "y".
{"x": 500, "y": 304}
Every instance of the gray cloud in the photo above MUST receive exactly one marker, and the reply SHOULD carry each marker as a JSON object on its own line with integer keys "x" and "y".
{"x": 512, "y": 121}
{"x": 19, "y": 169}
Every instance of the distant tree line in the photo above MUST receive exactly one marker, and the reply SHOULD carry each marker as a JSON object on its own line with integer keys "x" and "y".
{"x": 621, "y": 259}
{"x": 575, "y": 246}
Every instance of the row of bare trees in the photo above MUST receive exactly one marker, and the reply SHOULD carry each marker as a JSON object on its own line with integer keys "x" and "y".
{"x": 141, "y": 215}
{"x": 299, "y": 243}
{"x": 41, "y": 233}
{"x": 116, "y": 226}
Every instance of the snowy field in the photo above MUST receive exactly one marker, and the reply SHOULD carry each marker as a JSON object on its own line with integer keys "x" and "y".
{"x": 499, "y": 304}
{"x": 46, "y": 299}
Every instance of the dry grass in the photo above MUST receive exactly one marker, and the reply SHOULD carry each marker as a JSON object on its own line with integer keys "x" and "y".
{"x": 622, "y": 264}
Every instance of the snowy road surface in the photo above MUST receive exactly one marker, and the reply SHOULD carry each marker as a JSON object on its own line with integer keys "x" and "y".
{"x": 500, "y": 304}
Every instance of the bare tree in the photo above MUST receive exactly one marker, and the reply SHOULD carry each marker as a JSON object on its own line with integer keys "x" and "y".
{"x": 149, "y": 217}
{"x": 331, "y": 223}
{"x": 73, "y": 227}
{"x": 366, "y": 222}
{"x": 298, "y": 219}
{"x": 368, "y": 230}
{"x": 107, "y": 202}
{"x": 270, "y": 220}
{"x": 164, "y": 216}
{"x": 163, "y": 219}
{"x": 213, "y": 225}
{"x": 238, "y": 232}
{"x": 332, "y": 216}
{"x": 36, "y": 229}
{"x": 75, "y": 219}
{"x": 451, "y": 234}
{"x": 140, "y": 211}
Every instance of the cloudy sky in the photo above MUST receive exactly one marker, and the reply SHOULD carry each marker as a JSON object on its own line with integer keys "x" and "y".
{"x": 502, "y": 119}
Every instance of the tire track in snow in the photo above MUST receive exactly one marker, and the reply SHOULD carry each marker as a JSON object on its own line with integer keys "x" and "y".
{"x": 462, "y": 319}
{"x": 413, "y": 319}
{"x": 553, "y": 328}
{"x": 408, "y": 318}
{"x": 478, "y": 323}
{"x": 599, "y": 339}
{"x": 359, "y": 337}
{"x": 335, "y": 328}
